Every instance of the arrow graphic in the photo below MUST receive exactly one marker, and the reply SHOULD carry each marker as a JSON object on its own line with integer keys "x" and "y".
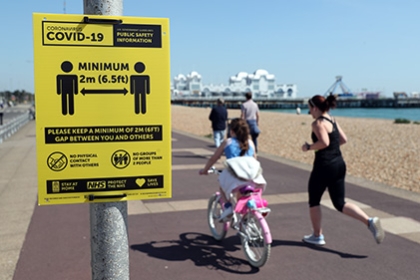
{"x": 104, "y": 91}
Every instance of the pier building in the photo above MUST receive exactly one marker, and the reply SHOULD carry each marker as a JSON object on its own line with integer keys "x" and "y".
{"x": 260, "y": 83}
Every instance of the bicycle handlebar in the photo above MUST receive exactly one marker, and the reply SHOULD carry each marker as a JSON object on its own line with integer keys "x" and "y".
{"x": 213, "y": 170}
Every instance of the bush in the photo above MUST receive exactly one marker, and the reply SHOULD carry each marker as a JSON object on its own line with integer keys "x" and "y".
{"x": 402, "y": 121}
{"x": 416, "y": 122}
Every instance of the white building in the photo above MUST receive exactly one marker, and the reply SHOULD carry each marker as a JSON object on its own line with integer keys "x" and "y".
{"x": 260, "y": 83}
{"x": 187, "y": 85}
{"x": 415, "y": 94}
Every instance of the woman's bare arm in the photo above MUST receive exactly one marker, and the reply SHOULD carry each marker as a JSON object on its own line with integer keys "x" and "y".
{"x": 343, "y": 137}
{"x": 318, "y": 127}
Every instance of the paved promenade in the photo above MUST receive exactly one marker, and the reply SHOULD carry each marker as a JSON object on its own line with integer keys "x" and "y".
{"x": 169, "y": 238}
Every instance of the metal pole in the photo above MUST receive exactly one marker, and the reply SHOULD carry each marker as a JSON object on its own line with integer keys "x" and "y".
{"x": 108, "y": 221}
{"x": 103, "y": 7}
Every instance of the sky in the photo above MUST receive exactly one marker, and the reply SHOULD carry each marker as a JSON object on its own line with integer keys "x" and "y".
{"x": 373, "y": 44}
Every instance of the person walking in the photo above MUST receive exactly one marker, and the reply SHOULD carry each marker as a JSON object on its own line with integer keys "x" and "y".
{"x": 251, "y": 113}
{"x": 329, "y": 170}
{"x": 218, "y": 117}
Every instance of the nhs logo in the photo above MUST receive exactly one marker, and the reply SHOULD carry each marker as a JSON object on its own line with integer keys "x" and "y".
{"x": 96, "y": 185}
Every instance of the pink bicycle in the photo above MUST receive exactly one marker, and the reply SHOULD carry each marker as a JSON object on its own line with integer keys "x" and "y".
{"x": 248, "y": 220}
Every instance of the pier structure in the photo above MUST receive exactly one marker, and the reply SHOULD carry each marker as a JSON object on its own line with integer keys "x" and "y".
{"x": 235, "y": 102}
{"x": 190, "y": 91}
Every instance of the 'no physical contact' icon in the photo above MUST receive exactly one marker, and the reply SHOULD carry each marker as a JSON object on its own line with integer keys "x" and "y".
{"x": 57, "y": 161}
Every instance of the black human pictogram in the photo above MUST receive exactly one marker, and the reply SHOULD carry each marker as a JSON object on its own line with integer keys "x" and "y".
{"x": 67, "y": 87}
{"x": 120, "y": 159}
{"x": 139, "y": 86}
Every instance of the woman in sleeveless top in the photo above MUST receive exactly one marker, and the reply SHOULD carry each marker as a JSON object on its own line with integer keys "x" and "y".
{"x": 329, "y": 171}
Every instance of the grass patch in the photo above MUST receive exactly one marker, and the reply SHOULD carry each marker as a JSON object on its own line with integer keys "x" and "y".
{"x": 209, "y": 135}
{"x": 402, "y": 121}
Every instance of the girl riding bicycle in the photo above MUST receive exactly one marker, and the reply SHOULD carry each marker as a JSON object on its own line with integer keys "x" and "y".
{"x": 238, "y": 145}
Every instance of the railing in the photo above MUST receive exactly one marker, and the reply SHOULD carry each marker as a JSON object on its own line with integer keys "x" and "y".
{"x": 9, "y": 128}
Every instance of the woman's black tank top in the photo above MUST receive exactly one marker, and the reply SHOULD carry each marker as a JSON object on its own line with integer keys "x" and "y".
{"x": 332, "y": 152}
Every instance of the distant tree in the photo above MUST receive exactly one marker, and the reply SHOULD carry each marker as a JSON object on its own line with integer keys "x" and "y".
{"x": 17, "y": 96}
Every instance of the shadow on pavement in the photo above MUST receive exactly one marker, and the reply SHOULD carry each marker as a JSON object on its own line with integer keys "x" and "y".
{"x": 316, "y": 248}
{"x": 202, "y": 249}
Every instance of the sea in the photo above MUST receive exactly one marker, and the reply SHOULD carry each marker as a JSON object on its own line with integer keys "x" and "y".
{"x": 412, "y": 114}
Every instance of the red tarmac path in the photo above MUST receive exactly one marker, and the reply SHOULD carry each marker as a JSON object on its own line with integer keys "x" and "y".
{"x": 168, "y": 242}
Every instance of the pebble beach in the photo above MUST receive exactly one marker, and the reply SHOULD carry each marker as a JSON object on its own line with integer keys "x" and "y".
{"x": 377, "y": 150}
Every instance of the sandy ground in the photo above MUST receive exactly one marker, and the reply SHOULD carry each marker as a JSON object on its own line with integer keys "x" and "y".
{"x": 377, "y": 150}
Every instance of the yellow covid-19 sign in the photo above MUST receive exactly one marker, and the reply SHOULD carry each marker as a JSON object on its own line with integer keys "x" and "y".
{"x": 102, "y": 87}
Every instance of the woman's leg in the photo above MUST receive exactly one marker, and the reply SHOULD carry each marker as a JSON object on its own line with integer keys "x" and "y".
{"x": 355, "y": 212}
{"x": 337, "y": 195}
{"x": 316, "y": 188}
{"x": 316, "y": 217}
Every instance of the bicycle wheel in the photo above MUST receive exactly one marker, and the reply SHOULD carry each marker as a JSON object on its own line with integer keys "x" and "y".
{"x": 214, "y": 209}
{"x": 257, "y": 248}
